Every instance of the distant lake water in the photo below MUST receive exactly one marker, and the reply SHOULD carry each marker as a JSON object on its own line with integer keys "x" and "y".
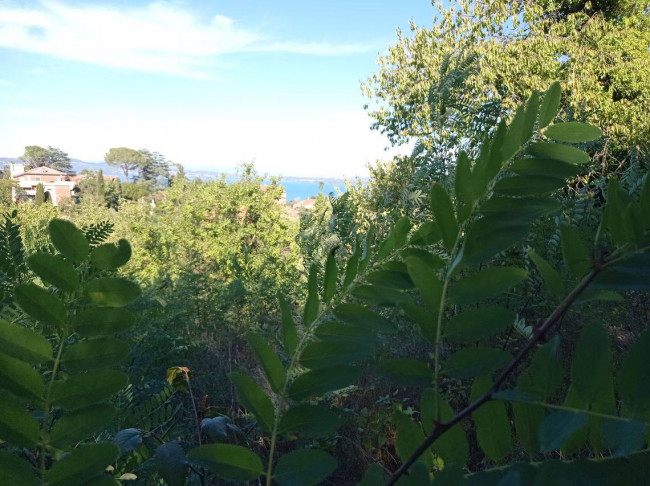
{"x": 306, "y": 189}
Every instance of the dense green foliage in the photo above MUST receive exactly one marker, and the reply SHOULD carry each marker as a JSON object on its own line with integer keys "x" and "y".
{"x": 474, "y": 315}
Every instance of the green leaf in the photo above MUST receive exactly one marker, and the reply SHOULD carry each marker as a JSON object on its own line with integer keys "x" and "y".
{"x": 425, "y": 280}
{"x": 418, "y": 475}
{"x": 573, "y": 132}
{"x": 112, "y": 292}
{"x": 409, "y": 436}
{"x": 374, "y": 476}
{"x": 68, "y": 239}
{"x": 550, "y": 104}
{"x": 551, "y": 277}
{"x": 309, "y": 421}
{"x": 452, "y": 446}
{"x": 557, "y": 427}
{"x": 489, "y": 236}
{"x": 357, "y": 315}
{"x": 54, "y": 270}
{"x": 15, "y": 471}
{"x": 110, "y": 256}
{"x": 331, "y": 274}
{"x": 103, "y": 321}
{"x": 399, "y": 232}
{"x": 171, "y": 463}
{"x": 75, "y": 426}
{"x": 492, "y": 422}
{"x": 312, "y": 305}
{"x": 531, "y": 166}
{"x": 471, "y": 362}
{"x": 318, "y": 355}
{"x": 289, "y": 333}
{"x": 406, "y": 371}
{"x": 485, "y": 284}
{"x": 254, "y": 399}
{"x": 618, "y": 202}
{"x": 443, "y": 210}
{"x": 557, "y": 151}
{"x": 352, "y": 267}
{"x": 317, "y": 382}
{"x": 634, "y": 379}
{"x": 394, "y": 279}
{"x": 84, "y": 390}
{"x": 463, "y": 185}
{"x": 304, "y": 467}
{"x": 21, "y": 379}
{"x": 523, "y": 209}
{"x": 433, "y": 261}
{"x": 18, "y": 426}
{"x": 530, "y": 117}
{"x": 630, "y": 274}
{"x": 514, "y": 136}
{"x": 478, "y": 324}
{"x": 24, "y": 343}
{"x": 227, "y": 461}
{"x": 591, "y": 375}
{"x": 427, "y": 234}
{"x": 82, "y": 465}
{"x": 380, "y": 295}
{"x": 272, "y": 365}
{"x": 40, "y": 304}
{"x": 337, "y": 331}
{"x": 623, "y": 437}
{"x": 423, "y": 317}
{"x": 524, "y": 185}
{"x": 528, "y": 419}
{"x": 544, "y": 375}
{"x": 574, "y": 252}
{"x": 99, "y": 353}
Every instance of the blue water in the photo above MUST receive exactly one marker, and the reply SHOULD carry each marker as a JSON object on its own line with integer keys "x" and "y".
{"x": 306, "y": 189}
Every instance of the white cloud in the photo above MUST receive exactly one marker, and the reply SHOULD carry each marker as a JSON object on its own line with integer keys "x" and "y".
{"x": 328, "y": 144}
{"x": 160, "y": 37}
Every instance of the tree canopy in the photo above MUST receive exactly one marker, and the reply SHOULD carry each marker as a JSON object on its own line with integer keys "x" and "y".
{"x": 499, "y": 51}
{"x": 36, "y": 156}
{"x": 125, "y": 158}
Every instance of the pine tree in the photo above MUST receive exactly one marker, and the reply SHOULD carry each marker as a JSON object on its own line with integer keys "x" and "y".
{"x": 39, "y": 198}
{"x": 100, "y": 189}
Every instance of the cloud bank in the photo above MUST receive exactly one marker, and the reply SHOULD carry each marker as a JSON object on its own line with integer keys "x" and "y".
{"x": 160, "y": 37}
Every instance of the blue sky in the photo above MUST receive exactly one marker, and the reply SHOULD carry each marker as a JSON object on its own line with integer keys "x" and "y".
{"x": 210, "y": 84}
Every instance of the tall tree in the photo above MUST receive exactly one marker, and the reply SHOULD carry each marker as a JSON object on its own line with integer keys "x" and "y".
{"x": 100, "y": 188}
{"x": 125, "y": 158}
{"x": 155, "y": 168}
{"x": 39, "y": 198}
{"x": 36, "y": 156}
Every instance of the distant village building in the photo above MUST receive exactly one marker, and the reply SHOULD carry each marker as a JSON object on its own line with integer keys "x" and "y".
{"x": 56, "y": 184}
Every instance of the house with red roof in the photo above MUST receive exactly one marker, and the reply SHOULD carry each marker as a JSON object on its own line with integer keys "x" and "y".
{"x": 56, "y": 184}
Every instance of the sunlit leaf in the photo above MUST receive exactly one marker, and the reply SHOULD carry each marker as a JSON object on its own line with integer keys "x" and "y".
{"x": 443, "y": 210}
{"x": 573, "y": 132}
{"x": 54, "y": 270}
{"x": 110, "y": 256}
{"x": 68, "y": 239}
{"x": 40, "y": 304}
{"x": 550, "y": 104}
{"x": 112, "y": 292}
